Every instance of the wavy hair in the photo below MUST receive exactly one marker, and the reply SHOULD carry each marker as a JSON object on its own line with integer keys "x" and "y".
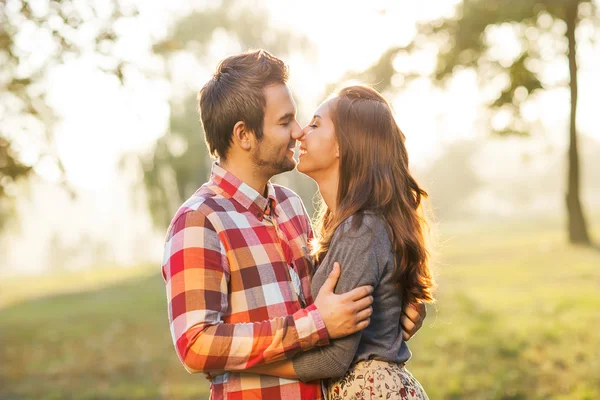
{"x": 374, "y": 175}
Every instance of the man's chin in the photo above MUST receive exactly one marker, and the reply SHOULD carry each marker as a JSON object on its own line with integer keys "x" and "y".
{"x": 288, "y": 165}
{"x": 281, "y": 167}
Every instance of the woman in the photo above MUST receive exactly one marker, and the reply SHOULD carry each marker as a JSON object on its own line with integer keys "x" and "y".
{"x": 371, "y": 223}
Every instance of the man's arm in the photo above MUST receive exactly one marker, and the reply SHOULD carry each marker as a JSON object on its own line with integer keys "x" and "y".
{"x": 196, "y": 273}
{"x": 283, "y": 369}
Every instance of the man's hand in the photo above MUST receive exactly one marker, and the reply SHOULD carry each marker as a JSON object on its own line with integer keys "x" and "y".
{"x": 346, "y": 313}
{"x": 412, "y": 319}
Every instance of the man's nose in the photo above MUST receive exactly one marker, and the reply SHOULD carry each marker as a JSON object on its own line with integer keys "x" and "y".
{"x": 298, "y": 132}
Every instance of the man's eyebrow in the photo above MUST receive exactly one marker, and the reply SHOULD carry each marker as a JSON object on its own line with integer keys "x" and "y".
{"x": 287, "y": 116}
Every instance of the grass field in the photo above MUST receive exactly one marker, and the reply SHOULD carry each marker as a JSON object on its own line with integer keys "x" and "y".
{"x": 518, "y": 317}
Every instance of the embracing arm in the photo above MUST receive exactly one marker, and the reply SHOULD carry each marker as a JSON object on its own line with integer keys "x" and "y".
{"x": 196, "y": 273}
{"x": 356, "y": 252}
{"x": 412, "y": 320}
{"x": 282, "y": 369}
{"x": 285, "y": 368}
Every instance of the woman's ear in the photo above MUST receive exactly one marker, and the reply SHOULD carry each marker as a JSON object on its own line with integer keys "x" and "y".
{"x": 337, "y": 150}
{"x": 241, "y": 136}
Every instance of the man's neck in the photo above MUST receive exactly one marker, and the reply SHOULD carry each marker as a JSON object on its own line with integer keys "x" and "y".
{"x": 248, "y": 174}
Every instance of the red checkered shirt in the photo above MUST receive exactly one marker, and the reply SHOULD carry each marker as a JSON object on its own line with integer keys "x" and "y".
{"x": 238, "y": 272}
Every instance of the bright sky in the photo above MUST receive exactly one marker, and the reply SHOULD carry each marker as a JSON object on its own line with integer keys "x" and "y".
{"x": 97, "y": 130}
{"x": 101, "y": 121}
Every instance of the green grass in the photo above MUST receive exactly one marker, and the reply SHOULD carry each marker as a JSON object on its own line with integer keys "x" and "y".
{"x": 518, "y": 317}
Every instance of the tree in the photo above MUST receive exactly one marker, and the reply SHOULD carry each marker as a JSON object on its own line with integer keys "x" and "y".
{"x": 11, "y": 170}
{"x": 179, "y": 162}
{"x": 464, "y": 43}
{"x": 58, "y": 28}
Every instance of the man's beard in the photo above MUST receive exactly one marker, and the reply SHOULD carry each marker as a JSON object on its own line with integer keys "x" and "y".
{"x": 272, "y": 163}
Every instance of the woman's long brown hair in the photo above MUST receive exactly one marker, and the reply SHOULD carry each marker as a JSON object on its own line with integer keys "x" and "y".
{"x": 374, "y": 176}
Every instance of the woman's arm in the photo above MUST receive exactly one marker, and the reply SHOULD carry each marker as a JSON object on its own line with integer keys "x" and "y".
{"x": 358, "y": 251}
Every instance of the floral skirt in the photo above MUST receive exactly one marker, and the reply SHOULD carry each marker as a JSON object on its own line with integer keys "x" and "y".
{"x": 374, "y": 379}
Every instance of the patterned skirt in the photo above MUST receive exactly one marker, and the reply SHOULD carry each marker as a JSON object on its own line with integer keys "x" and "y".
{"x": 374, "y": 379}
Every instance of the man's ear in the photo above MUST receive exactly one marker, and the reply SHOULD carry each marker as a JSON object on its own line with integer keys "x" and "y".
{"x": 242, "y": 136}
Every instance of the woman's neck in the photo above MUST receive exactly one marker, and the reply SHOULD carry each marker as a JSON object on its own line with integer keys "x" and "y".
{"x": 328, "y": 187}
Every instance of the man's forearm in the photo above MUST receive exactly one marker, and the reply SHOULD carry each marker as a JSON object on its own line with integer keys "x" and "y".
{"x": 197, "y": 277}
{"x": 282, "y": 369}
{"x": 236, "y": 347}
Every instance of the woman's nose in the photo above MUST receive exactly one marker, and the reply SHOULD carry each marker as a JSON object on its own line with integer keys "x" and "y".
{"x": 300, "y": 134}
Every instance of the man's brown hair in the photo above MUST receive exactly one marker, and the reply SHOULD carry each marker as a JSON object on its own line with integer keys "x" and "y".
{"x": 235, "y": 93}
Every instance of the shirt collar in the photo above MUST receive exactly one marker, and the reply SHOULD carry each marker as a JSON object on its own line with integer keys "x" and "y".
{"x": 245, "y": 195}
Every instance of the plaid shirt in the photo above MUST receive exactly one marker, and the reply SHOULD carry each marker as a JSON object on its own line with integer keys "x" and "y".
{"x": 238, "y": 276}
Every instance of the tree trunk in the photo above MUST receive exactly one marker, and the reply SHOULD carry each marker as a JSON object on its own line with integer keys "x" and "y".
{"x": 576, "y": 220}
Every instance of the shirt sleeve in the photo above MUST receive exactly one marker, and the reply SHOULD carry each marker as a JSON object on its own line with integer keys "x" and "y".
{"x": 196, "y": 273}
{"x": 356, "y": 253}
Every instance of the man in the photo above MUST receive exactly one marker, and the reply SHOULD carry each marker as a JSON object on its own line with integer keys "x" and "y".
{"x": 236, "y": 263}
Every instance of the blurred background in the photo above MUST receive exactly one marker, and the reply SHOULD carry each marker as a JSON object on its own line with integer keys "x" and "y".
{"x": 100, "y": 142}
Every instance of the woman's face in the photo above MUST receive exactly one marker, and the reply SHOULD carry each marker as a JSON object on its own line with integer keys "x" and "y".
{"x": 319, "y": 150}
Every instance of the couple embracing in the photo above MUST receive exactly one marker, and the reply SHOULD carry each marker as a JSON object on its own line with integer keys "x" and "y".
{"x": 262, "y": 303}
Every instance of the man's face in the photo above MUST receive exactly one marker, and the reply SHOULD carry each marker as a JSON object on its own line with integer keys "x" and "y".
{"x": 275, "y": 151}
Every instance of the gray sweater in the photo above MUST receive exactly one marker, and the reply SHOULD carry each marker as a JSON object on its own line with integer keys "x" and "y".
{"x": 366, "y": 257}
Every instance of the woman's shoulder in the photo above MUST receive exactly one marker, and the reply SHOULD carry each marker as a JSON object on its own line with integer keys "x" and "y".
{"x": 365, "y": 234}
{"x": 367, "y": 222}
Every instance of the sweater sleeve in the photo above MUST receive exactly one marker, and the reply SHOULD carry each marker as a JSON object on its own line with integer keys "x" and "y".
{"x": 356, "y": 252}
